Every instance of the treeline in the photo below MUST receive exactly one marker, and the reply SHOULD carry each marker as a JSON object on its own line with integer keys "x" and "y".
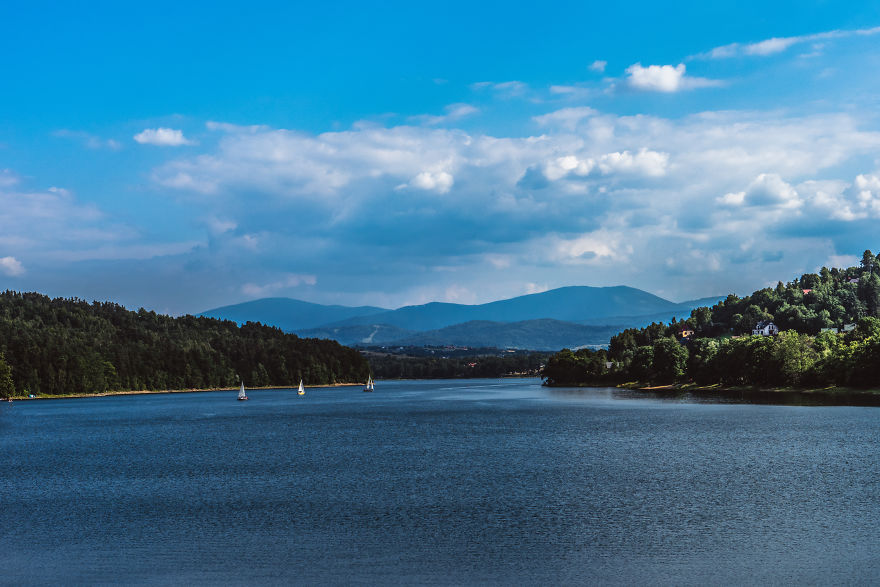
{"x": 715, "y": 345}
{"x": 60, "y": 346}
{"x": 387, "y": 366}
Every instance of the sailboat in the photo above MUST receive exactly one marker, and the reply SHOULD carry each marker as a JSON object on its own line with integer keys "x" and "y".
{"x": 369, "y": 385}
{"x": 241, "y": 394}
{"x": 301, "y": 390}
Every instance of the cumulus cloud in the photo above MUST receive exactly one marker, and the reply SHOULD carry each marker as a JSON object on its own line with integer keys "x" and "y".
{"x": 162, "y": 137}
{"x": 598, "y": 66}
{"x": 645, "y": 163}
{"x": 665, "y": 78}
{"x": 593, "y": 192}
{"x": 848, "y": 202}
{"x": 769, "y": 189}
{"x": 438, "y": 181}
{"x": 11, "y": 266}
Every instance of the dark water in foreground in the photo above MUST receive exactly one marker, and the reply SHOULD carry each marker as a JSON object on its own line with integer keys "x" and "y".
{"x": 443, "y": 482}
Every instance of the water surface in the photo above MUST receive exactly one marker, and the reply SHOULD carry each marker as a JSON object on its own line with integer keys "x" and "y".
{"x": 436, "y": 482}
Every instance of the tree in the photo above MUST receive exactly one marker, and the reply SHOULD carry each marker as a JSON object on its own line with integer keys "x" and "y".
{"x": 703, "y": 318}
{"x": 868, "y": 261}
{"x": 670, "y": 360}
{"x": 701, "y": 355}
{"x": 7, "y": 387}
{"x": 642, "y": 365}
{"x": 794, "y": 354}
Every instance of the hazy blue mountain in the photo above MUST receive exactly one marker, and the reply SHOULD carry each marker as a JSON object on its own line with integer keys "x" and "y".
{"x": 569, "y": 304}
{"x": 289, "y": 314}
{"x": 359, "y": 334}
{"x": 545, "y": 334}
{"x": 568, "y": 316}
{"x": 681, "y": 311}
{"x": 537, "y": 335}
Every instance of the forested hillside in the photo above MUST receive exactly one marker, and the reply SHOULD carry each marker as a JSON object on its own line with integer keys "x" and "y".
{"x": 829, "y": 335}
{"x": 444, "y": 364}
{"x": 60, "y": 346}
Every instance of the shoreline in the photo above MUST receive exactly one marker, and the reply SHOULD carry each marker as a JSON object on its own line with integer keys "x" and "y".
{"x": 825, "y": 396}
{"x": 16, "y": 398}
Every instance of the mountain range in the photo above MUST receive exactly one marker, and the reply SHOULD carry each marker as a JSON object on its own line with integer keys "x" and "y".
{"x": 564, "y": 317}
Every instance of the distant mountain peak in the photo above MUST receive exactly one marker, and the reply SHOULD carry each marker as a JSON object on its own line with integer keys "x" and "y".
{"x": 567, "y": 309}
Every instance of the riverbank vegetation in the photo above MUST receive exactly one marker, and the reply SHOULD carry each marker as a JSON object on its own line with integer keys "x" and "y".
{"x": 829, "y": 336}
{"x": 69, "y": 346}
{"x": 452, "y": 363}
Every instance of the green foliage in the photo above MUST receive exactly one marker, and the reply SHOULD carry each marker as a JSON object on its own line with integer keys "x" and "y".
{"x": 722, "y": 349}
{"x": 670, "y": 360}
{"x": 583, "y": 366}
{"x": 642, "y": 364}
{"x": 7, "y": 387}
{"x": 59, "y": 346}
{"x": 387, "y": 366}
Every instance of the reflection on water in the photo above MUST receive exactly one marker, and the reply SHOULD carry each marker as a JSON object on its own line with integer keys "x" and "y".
{"x": 438, "y": 482}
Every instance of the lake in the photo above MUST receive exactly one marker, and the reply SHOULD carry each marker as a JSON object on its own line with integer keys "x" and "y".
{"x": 436, "y": 482}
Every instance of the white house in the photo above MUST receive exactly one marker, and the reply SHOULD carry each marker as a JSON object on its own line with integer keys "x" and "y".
{"x": 765, "y": 328}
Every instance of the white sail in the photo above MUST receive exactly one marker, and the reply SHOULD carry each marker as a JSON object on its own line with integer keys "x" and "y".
{"x": 241, "y": 393}
{"x": 301, "y": 390}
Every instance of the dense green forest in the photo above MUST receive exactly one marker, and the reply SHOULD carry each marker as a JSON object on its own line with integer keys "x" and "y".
{"x": 61, "y": 346}
{"x": 425, "y": 363}
{"x": 829, "y": 326}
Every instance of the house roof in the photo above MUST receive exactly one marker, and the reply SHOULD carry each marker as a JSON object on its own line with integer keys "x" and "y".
{"x": 764, "y": 324}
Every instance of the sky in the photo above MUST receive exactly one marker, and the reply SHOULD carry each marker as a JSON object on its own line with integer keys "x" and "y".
{"x": 180, "y": 158}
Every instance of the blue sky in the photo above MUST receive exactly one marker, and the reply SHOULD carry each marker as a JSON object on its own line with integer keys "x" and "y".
{"x": 180, "y": 158}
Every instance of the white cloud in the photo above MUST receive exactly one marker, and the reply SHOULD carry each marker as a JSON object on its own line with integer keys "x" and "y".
{"x": 52, "y": 226}
{"x": 732, "y": 199}
{"x": 7, "y": 178}
{"x": 769, "y": 189}
{"x": 665, "y": 78}
{"x": 775, "y": 45}
{"x": 162, "y": 137}
{"x": 769, "y": 46}
{"x": 235, "y": 128}
{"x": 599, "y": 247}
{"x": 454, "y": 112}
{"x": 612, "y": 196}
{"x": 11, "y": 266}
{"x": 567, "y": 118}
{"x": 218, "y": 226}
{"x": 572, "y": 92}
{"x": 439, "y": 181}
{"x": 509, "y": 89}
{"x": 533, "y": 288}
{"x": 598, "y": 65}
{"x": 644, "y": 163}
{"x": 88, "y": 140}
{"x": 288, "y": 281}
